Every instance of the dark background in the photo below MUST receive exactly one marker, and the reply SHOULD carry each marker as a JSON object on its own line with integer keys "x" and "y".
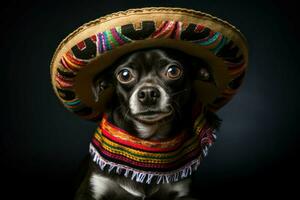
{"x": 42, "y": 144}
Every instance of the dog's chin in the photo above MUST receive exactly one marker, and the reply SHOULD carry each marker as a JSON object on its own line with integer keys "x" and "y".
{"x": 154, "y": 117}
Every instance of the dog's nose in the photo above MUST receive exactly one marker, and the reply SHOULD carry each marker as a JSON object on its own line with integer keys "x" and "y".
{"x": 148, "y": 95}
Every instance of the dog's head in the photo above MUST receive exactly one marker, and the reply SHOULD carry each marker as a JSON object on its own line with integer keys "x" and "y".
{"x": 153, "y": 88}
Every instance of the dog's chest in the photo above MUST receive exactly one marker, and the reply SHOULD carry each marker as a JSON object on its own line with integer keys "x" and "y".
{"x": 140, "y": 191}
{"x": 100, "y": 186}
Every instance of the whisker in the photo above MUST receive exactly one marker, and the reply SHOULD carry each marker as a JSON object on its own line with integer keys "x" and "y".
{"x": 179, "y": 92}
{"x": 126, "y": 113}
{"x": 118, "y": 107}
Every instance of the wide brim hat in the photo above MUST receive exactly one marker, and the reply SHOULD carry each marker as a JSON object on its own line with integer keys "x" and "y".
{"x": 96, "y": 45}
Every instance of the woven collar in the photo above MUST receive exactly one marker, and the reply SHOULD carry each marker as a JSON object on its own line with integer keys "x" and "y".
{"x": 117, "y": 151}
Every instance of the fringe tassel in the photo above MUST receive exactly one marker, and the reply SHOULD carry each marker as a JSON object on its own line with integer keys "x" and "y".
{"x": 145, "y": 176}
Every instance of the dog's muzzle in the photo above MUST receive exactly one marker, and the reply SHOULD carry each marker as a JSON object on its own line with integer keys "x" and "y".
{"x": 149, "y": 99}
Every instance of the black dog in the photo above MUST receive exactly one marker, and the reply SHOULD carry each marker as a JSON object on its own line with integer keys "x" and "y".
{"x": 153, "y": 92}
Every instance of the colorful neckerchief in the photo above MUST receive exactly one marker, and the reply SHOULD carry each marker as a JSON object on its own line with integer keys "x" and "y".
{"x": 117, "y": 151}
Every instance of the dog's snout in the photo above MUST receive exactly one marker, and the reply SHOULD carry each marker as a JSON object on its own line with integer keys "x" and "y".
{"x": 148, "y": 95}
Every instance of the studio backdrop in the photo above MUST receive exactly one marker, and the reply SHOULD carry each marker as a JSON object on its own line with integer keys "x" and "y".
{"x": 42, "y": 145}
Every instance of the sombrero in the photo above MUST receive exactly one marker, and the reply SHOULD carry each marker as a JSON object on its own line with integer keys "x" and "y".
{"x": 95, "y": 45}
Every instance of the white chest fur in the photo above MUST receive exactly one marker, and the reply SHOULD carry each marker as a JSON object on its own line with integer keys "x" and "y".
{"x": 101, "y": 185}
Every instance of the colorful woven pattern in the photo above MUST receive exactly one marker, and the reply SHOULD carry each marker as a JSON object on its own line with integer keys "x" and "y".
{"x": 116, "y": 151}
{"x": 87, "y": 50}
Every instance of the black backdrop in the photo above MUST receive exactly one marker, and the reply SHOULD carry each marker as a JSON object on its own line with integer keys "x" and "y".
{"x": 42, "y": 145}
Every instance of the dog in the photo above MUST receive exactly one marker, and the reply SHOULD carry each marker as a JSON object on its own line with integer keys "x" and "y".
{"x": 153, "y": 93}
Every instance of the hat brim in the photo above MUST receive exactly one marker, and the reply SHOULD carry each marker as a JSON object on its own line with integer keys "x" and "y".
{"x": 96, "y": 45}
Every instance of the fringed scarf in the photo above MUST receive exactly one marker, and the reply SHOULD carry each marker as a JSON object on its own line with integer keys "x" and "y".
{"x": 117, "y": 151}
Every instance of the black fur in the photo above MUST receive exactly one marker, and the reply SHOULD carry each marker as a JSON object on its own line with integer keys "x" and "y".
{"x": 149, "y": 67}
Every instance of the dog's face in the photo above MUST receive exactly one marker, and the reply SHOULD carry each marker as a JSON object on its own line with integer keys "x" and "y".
{"x": 154, "y": 88}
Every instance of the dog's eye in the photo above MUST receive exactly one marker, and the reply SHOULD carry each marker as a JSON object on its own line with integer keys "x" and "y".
{"x": 173, "y": 72}
{"x": 125, "y": 76}
{"x": 204, "y": 74}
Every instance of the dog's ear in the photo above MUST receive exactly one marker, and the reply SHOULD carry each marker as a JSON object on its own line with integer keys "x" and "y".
{"x": 101, "y": 82}
{"x": 201, "y": 70}
{"x": 213, "y": 120}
